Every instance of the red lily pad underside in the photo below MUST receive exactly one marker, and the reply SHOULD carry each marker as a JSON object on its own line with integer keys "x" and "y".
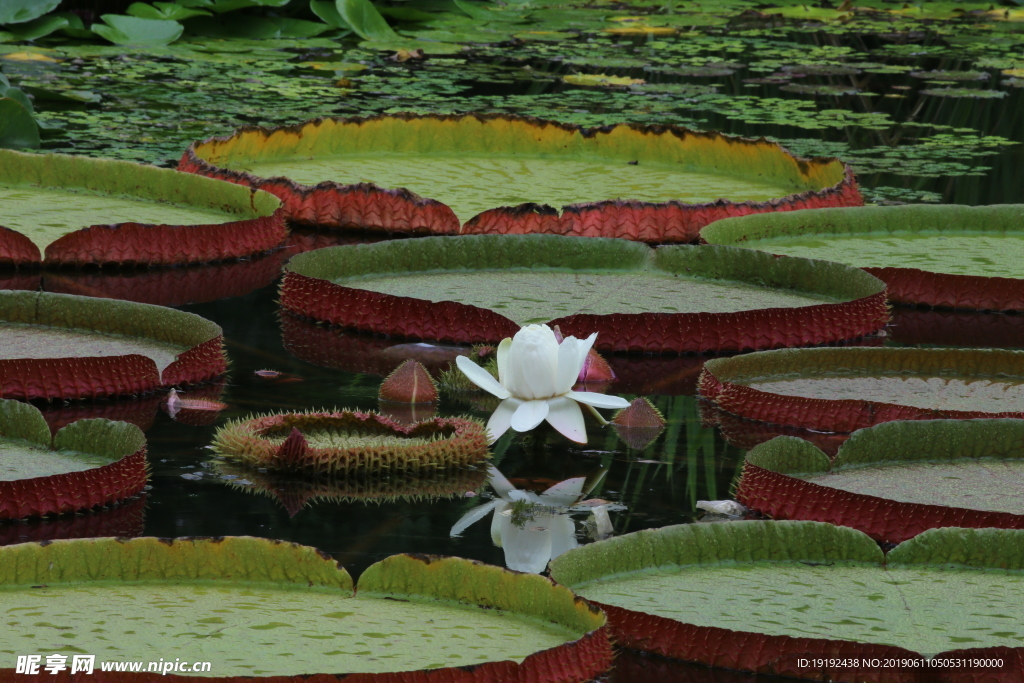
{"x": 654, "y": 332}
{"x": 125, "y": 520}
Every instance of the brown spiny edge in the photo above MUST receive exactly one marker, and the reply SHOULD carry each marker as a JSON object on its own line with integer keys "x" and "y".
{"x": 449, "y": 321}
{"x": 371, "y": 207}
{"x": 783, "y": 497}
{"x": 62, "y": 493}
{"x": 452, "y": 442}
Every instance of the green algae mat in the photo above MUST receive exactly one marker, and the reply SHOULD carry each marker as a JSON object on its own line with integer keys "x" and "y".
{"x": 85, "y": 464}
{"x": 759, "y": 596}
{"x": 845, "y": 389}
{"x": 895, "y": 480}
{"x": 255, "y": 607}
{"x": 75, "y": 210}
{"x": 482, "y": 288}
{"x": 504, "y": 174}
{"x": 61, "y": 346}
{"x": 949, "y": 256}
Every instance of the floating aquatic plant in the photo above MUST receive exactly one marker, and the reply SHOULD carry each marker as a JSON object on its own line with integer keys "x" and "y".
{"x": 895, "y": 480}
{"x": 76, "y": 210}
{"x": 483, "y": 288}
{"x": 416, "y": 608}
{"x": 845, "y": 389}
{"x": 696, "y": 592}
{"x": 625, "y": 180}
{"x": 639, "y": 424}
{"x": 58, "y": 346}
{"x": 949, "y": 256}
{"x": 86, "y": 464}
{"x": 346, "y": 442}
{"x": 408, "y": 383}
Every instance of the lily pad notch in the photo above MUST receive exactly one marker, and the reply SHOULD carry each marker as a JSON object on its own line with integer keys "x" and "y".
{"x": 86, "y": 464}
{"x": 72, "y": 210}
{"x": 66, "y": 347}
{"x": 965, "y": 257}
{"x": 789, "y": 478}
{"x": 892, "y": 383}
{"x": 687, "y": 592}
{"x": 408, "y": 604}
{"x": 311, "y": 195}
{"x": 821, "y": 302}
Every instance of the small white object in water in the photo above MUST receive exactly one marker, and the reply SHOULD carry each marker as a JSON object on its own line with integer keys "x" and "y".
{"x": 727, "y": 508}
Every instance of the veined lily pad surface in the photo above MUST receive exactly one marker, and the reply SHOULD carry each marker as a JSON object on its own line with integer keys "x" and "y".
{"x": 75, "y": 210}
{"x": 949, "y": 256}
{"x": 60, "y": 346}
{"x": 85, "y": 464}
{"x": 503, "y": 174}
{"x": 845, "y": 389}
{"x": 726, "y": 595}
{"x": 347, "y": 442}
{"x": 679, "y": 299}
{"x": 895, "y": 480}
{"x": 255, "y": 607}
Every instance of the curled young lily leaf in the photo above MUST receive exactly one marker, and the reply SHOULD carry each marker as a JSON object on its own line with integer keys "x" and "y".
{"x": 895, "y": 480}
{"x": 482, "y": 288}
{"x": 950, "y": 256}
{"x": 504, "y": 174}
{"x": 229, "y": 591}
{"x": 724, "y": 595}
{"x": 84, "y": 465}
{"x": 845, "y": 389}
{"x": 73, "y": 210}
{"x": 64, "y": 347}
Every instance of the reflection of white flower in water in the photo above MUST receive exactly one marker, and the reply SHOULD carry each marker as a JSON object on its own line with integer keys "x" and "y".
{"x": 535, "y": 378}
{"x": 548, "y": 530}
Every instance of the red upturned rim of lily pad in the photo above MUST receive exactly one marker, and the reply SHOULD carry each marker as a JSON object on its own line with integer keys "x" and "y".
{"x": 73, "y": 378}
{"x": 120, "y": 443}
{"x": 369, "y": 206}
{"x": 258, "y": 224}
{"x": 311, "y": 288}
{"x": 436, "y": 444}
{"x": 126, "y": 519}
{"x": 249, "y": 562}
{"x": 770, "y": 482}
{"x": 734, "y": 543}
{"x": 722, "y": 381}
{"x": 914, "y": 286}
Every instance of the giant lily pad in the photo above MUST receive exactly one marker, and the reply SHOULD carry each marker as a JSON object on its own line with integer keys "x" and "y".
{"x": 346, "y": 442}
{"x": 502, "y": 174}
{"x": 897, "y": 479}
{"x": 679, "y": 298}
{"x": 256, "y": 607}
{"x": 772, "y": 597}
{"x": 59, "y": 346}
{"x": 845, "y": 389}
{"x": 76, "y": 210}
{"x": 84, "y": 465}
{"x": 950, "y": 256}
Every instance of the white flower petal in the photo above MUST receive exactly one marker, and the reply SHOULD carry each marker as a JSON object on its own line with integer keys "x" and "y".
{"x": 474, "y": 515}
{"x": 564, "y": 493}
{"x": 527, "y": 549}
{"x": 598, "y": 400}
{"x": 597, "y": 416}
{"x": 564, "y": 415}
{"x": 569, "y": 364}
{"x": 498, "y": 522}
{"x": 503, "y": 348}
{"x": 563, "y": 535}
{"x": 533, "y": 363}
{"x": 501, "y": 418}
{"x": 529, "y": 415}
{"x": 498, "y": 482}
{"x": 480, "y": 377}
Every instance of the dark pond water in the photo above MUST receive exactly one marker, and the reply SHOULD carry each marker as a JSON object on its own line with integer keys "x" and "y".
{"x": 153, "y": 107}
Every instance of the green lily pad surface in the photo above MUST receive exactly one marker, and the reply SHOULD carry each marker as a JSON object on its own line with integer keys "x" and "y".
{"x": 37, "y": 341}
{"x": 26, "y": 460}
{"x": 258, "y": 607}
{"x": 475, "y": 182}
{"x": 947, "y": 589}
{"x": 539, "y": 296}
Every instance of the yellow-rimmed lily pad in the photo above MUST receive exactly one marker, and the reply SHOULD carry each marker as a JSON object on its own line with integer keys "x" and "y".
{"x": 255, "y": 607}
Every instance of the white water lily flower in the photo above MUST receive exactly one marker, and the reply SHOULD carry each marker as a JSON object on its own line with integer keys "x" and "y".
{"x": 535, "y": 378}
